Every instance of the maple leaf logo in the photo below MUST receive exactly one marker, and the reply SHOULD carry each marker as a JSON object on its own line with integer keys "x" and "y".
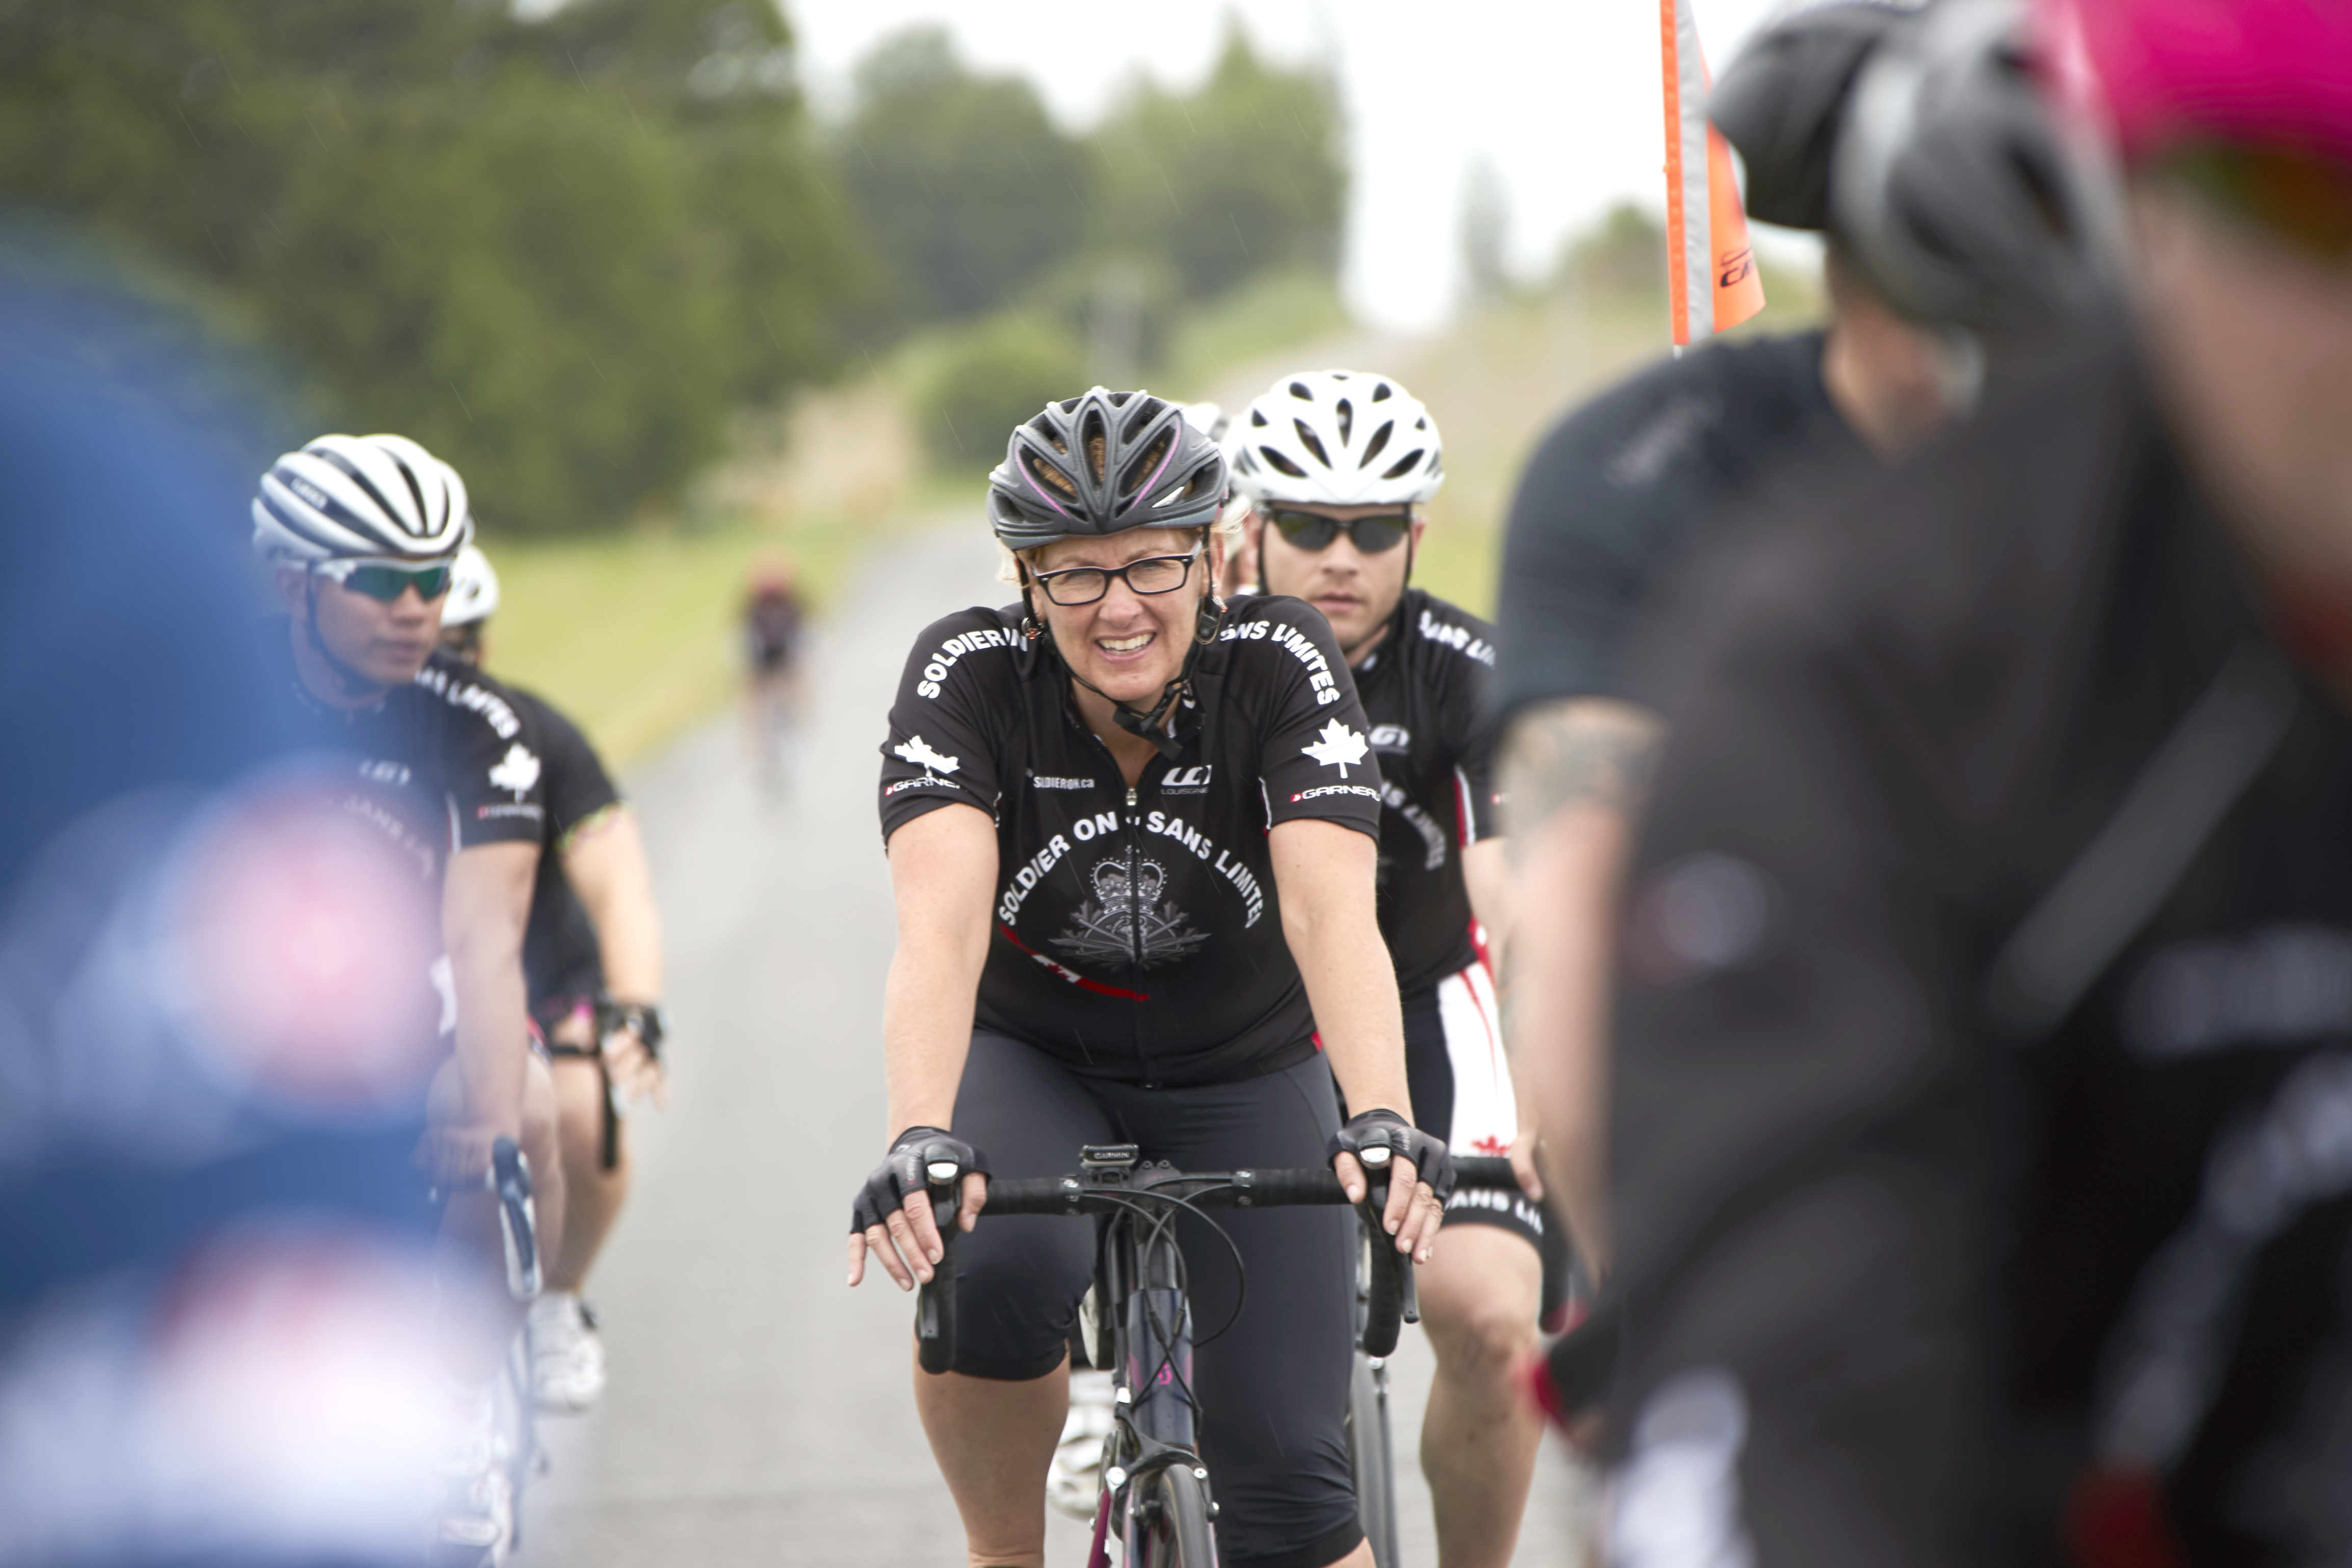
{"x": 919, "y": 751}
{"x": 517, "y": 771}
{"x": 1340, "y": 747}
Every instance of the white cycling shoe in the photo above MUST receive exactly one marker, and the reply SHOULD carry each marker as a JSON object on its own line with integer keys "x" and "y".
{"x": 567, "y": 1355}
{"x": 473, "y": 1515}
{"x": 1075, "y": 1482}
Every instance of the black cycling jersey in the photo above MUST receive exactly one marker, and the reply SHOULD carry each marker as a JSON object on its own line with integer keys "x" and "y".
{"x": 1980, "y": 1176}
{"x": 560, "y": 960}
{"x": 1623, "y": 491}
{"x": 1424, "y": 690}
{"x": 1137, "y": 932}
{"x": 443, "y": 764}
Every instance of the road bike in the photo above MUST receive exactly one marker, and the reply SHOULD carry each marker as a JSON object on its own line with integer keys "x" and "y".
{"x": 1156, "y": 1491}
{"x": 1372, "y": 1453}
{"x": 517, "y": 1420}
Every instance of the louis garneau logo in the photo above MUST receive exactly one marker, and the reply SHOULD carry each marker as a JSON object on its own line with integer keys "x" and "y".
{"x": 936, "y": 766}
{"x": 1391, "y": 738}
{"x": 1193, "y": 779}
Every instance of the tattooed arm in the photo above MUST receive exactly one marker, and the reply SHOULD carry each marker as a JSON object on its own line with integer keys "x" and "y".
{"x": 1573, "y": 774}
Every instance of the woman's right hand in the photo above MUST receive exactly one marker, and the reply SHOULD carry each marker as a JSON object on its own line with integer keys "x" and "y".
{"x": 891, "y": 1216}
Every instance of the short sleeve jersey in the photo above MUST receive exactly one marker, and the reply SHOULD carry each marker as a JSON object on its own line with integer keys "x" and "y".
{"x": 1425, "y": 690}
{"x": 1136, "y": 934}
{"x": 560, "y": 956}
{"x": 1627, "y": 489}
{"x": 443, "y": 764}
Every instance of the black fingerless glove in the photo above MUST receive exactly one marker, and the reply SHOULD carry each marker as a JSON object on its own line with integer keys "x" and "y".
{"x": 903, "y": 1171}
{"x": 1387, "y": 1130}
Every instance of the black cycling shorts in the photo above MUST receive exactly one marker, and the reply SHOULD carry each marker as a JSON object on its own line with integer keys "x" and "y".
{"x": 1462, "y": 1093}
{"x": 1273, "y": 1390}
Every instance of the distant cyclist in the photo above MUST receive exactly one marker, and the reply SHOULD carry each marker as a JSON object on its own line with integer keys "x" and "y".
{"x": 1982, "y": 1183}
{"x": 363, "y": 532}
{"x": 1337, "y": 465}
{"x": 1132, "y": 838}
{"x": 593, "y": 956}
{"x": 773, "y": 624}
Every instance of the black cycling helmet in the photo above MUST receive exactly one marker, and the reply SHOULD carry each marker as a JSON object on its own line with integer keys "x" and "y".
{"x": 1780, "y": 102}
{"x": 1101, "y": 463}
{"x": 1959, "y": 200}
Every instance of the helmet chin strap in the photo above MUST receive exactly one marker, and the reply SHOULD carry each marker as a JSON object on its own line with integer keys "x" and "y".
{"x": 1153, "y": 726}
{"x": 348, "y": 681}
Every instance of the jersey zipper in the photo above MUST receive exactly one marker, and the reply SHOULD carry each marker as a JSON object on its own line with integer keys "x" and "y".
{"x": 1135, "y": 936}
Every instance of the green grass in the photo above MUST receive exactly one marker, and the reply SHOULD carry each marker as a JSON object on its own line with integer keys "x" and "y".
{"x": 634, "y": 635}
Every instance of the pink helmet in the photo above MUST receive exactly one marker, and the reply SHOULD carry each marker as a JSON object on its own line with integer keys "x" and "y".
{"x": 2155, "y": 73}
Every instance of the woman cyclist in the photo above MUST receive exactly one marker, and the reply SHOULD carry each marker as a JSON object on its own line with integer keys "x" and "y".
{"x": 1132, "y": 838}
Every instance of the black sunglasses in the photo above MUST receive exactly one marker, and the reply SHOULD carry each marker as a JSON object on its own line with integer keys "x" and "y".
{"x": 386, "y": 583}
{"x": 1313, "y": 531}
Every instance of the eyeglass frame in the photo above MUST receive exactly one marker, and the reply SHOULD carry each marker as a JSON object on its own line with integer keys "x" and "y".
{"x": 1045, "y": 579}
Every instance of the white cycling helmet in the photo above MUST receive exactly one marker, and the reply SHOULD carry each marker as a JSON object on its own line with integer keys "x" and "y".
{"x": 1335, "y": 437}
{"x": 473, "y": 590}
{"x": 360, "y": 496}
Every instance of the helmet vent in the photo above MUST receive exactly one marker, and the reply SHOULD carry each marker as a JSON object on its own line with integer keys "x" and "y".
{"x": 1051, "y": 476}
{"x": 1095, "y": 439}
{"x": 1144, "y": 466}
{"x": 1258, "y": 419}
{"x": 1403, "y": 464}
{"x": 1298, "y": 389}
{"x": 1378, "y": 443}
{"x": 1347, "y": 412}
{"x": 1382, "y": 392}
{"x": 1312, "y": 441}
{"x": 1281, "y": 464}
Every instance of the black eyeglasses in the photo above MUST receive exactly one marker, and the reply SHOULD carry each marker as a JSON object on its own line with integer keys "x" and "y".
{"x": 1084, "y": 585}
{"x": 1313, "y": 531}
{"x": 385, "y": 584}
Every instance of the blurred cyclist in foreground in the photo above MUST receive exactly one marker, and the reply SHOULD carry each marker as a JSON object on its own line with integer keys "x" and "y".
{"x": 1950, "y": 218}
{"x": 591, "y": 957}
{"x": 216, "y": 1023}
{"x": 1982, "y": 1192}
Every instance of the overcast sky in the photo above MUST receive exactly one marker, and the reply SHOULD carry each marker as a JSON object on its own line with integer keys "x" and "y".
{"x": 1563, "y": 97}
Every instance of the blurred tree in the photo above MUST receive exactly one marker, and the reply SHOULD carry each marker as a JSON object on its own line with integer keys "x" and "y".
{"x": 990, "y": 378}
{"x": 1485, "y": 233}
{"x": 1623, "y": 254}
{"x": 966, "y": 188}
{"x": 554, "y": 252}
{"x": 1248, "y": 174}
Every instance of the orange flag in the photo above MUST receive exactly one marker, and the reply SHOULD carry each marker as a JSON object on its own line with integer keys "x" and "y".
{"x": 1711, "y": 277}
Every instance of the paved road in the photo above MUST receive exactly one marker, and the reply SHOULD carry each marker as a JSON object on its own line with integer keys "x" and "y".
{"x": 759, "y": 1412}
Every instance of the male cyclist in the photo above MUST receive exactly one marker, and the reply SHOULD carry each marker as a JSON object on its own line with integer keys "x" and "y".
{"x": 1336, "y": 464}
{"x": 1132, "y": 846}
{"x": 592, "y": 961}
{"x": 363, "y": 532}
{"x": 1933, "y": 228}
{"x": 1979, "y": 1159}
